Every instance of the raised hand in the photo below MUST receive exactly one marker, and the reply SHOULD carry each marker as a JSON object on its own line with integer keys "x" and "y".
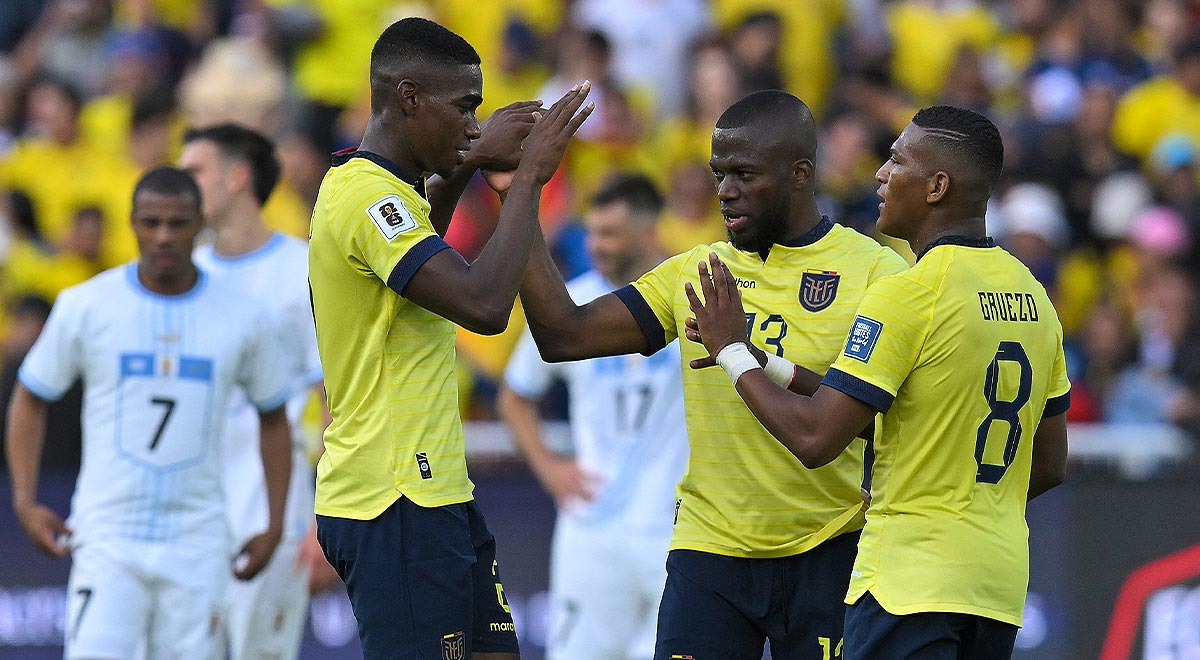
{"x": 45, "y": 528}
{"x": 499, "y": 144}
{"x": 719, "y": 319}
{"x": 547, "y": 141}
{"x": 254, "y": 556}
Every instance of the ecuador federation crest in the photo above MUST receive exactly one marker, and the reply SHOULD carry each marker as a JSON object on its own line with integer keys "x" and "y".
{"x": 454, "y": 646}
{"x": 818, "y": 288}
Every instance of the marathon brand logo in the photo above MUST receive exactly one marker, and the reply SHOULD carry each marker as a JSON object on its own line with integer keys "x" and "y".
{"x": 423, "y": 465}
{"x": 391, "y": 216}
{"x": 818, "y": 288}
{"x": 454, "y": 646}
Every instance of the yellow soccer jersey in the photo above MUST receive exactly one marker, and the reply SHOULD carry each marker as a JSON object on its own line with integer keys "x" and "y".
{"x": 744, "y": 494}
{"x": 963, "y": 355}
{"x": 389, "y": 363}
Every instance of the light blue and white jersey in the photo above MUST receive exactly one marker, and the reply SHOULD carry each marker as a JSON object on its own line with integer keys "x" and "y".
{"x": 627, "y": 423}
{"x": 157, "y": 373}
{"x": 276, "y": 276}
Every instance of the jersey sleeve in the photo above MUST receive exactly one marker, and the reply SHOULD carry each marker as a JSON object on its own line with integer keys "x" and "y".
{"x": 263, "y": 372}
{"x": 887, "y": 262}
{"x": 1059, "y": 399}
{"x": 392, "y": 235}
{"x": 55, "y": 361}
{"x": 651, "y": 301}
{"x": 527, "y": 374}
{"x": 884, "y": 343}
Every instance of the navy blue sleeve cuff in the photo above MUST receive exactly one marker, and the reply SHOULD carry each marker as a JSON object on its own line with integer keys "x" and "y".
{"x": 412, "y": 261}
{"x": 656, "y": 337}
{"x": 1057, "y": 406}
{"x": 855, "y": 387}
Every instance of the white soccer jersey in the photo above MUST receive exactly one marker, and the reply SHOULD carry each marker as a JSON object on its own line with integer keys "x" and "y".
{"x": 276, "y": 275}
{"x": 158, "y": 371}
{"x": 627, "y": 423}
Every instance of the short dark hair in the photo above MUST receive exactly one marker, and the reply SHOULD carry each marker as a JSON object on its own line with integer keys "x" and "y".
{"x": 167, "y": 180}
{"x": 635, "y": 190}
{"x": 968, "y": 137}
{"x": 787, "y": 116}
{"x": 240, "y": 143}
{"x": 419, "y": 40}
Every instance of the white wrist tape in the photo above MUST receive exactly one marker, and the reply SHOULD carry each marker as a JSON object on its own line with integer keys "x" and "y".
{"x": 736, "y": 360}
{"x": 780, "y": 370}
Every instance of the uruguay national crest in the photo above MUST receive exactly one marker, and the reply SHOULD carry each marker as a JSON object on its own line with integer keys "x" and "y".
{"x": 454, "y": 646}
{"x": 818, "y": 289}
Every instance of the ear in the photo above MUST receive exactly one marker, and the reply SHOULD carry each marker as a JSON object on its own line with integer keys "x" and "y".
{"x": 802, "y": 172}
{"x": 408, "y": 95}
{"x": 239, "y": 175}
{"x": 939, "y": 187}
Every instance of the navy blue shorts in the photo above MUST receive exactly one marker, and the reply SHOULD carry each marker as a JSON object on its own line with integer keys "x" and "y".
{"x": 423, "y": 583}
{"x": 872, "y": 633}
{"x": 727, "y": 608}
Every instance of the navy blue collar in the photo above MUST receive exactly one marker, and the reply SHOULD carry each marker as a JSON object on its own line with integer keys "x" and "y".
{"x": 965, "y": 241}
{"x": 812, "y": 235}
{"x": 342, "y": 157}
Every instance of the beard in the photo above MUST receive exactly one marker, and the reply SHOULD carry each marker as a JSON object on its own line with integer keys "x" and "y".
{"x": 760, "y": 236}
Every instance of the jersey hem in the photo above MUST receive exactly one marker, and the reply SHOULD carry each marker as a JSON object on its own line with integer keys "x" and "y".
{"x": 37, "y": 387}
{"x": 411, "y": 262}
{"x": 652, "y": 330}
{"x": 371, "y": 514}
{"x": 922, "y": 608}
{"x": 843, "y": 524}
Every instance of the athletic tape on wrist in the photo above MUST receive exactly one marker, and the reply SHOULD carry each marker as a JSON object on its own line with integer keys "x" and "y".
{"x": 780, "y": 370}
{"x": 736, "y": 360}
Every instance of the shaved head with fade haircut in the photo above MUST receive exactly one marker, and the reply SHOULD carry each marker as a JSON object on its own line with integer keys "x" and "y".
{"x": 966, "y": 144}
{"x": 415, "y": 48}
{"x": 780, "y": 119}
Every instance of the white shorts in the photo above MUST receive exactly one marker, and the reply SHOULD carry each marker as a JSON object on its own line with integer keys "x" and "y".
{"x": 605, "y": 586}
{"x": 263, "y": 619}
{"x": 129, "y": 599}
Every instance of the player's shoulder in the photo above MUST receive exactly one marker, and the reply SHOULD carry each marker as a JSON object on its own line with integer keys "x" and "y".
{"x": 100, "y": 287}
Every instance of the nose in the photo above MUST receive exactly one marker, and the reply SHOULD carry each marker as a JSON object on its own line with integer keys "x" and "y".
{"x": 882, "y": 174}
{"x": 473, "y": 131}
{"x": 727, "y": 189}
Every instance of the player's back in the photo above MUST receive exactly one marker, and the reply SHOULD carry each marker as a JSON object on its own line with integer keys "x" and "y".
{"x": 946, "y": 528}
{"x": 157, "y": 374}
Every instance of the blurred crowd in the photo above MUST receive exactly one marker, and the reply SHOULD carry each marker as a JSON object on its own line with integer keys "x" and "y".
{"x": 1099, "y": 102}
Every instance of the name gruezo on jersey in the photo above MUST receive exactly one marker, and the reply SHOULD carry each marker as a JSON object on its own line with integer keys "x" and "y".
{"x": 1016, "y": 306}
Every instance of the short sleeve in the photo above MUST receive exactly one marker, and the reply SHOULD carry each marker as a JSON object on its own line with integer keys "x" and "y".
{"x": 1059, "y": 398}
{"x": 887, "y": 262}
{"x": 391, "y": 235}
{"x": 884, "y": 342}
{"x": 527, "y": 374}
{"x": 654, "y": 303}
{"x": 263, "y": 372}
{"x": 55, "y": 361}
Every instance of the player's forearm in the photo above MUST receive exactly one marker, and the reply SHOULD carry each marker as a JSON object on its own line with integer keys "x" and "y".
{"x": 496, "y": 273}
{"x": 444, "y": 193}
{"x": 789, "y": 417}
{"x": 521, "y": 417}
{"x": 276, "y": 449}
{"x": 24, "y": 436}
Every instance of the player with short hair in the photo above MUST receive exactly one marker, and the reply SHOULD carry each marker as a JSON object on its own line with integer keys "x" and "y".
{"x": 236, "y": 170}
{"x": 160, "y": 346}
{"x": 395, "y": 514}
{"x": 963, "y": 356}
{"x": 761, "y": 548}
{"x": 616, "y": 495}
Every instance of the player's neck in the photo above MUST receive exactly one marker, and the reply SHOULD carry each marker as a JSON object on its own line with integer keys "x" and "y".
{"x": 166, "y": 284}
{"x": 802, "y": 222}
{"x": 390, "y": 143}
{"x": 972, "y": 227}
{"x": 241, "y": 235}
